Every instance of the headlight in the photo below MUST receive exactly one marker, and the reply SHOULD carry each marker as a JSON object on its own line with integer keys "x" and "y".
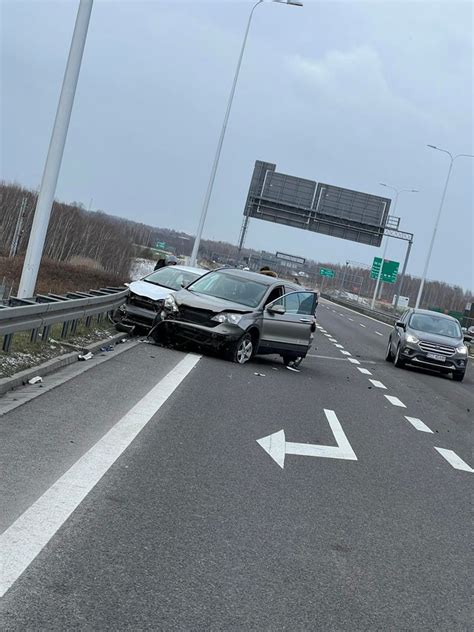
{"x": 227, "y": 317}
{"x": 462, "y": 349}
{"x": 413, "y": 339}
{"x": 170, "y": 304}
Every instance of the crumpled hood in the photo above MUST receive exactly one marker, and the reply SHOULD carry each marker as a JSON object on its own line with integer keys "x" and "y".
{"x": 155, "y": 292}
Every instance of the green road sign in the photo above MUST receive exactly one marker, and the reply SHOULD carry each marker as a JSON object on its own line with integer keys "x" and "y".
{"x": 327, "y": 272}
{"x": 160, "y": 244}
{"x": 389, "y": 270}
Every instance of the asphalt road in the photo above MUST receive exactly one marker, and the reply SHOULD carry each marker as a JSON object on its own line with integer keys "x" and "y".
{"x": 132, "y": 506}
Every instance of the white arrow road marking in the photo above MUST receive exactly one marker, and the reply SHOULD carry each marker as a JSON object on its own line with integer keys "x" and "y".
{"x": 453, "y": 459}
{"x": 277, "y": 446}
{"x": 418, "y": 424}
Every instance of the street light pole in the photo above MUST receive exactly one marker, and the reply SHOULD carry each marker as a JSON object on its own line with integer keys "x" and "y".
{"x": 397, "y": 193}
{"x": 55, "y": 153}
{"x": 220, "y": 142}
{"x": 435, "y": 229}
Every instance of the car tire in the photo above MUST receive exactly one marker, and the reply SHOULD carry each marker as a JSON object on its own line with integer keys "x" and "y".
{"x": 388, "y": 353}
{"x": 458, "y": 376}
{"x": 397, "y": 361}
{"x": 242, "y": 351}
{"x": 293, "y": 361}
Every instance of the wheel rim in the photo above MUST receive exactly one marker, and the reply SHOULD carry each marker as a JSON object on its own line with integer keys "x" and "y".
{"x": 244, "y": 351}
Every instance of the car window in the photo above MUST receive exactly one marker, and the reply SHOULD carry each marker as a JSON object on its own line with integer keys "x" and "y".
{"x": 230, "y": 288}
{"x": 433, "y": 324}
{"x": 171, "y": 277}
{"x": 274, "y": 294}
{"x": 302, "y": 303}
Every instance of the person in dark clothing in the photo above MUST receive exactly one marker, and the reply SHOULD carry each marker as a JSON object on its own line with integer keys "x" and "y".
{"x": 266, "y": 270}
{"x": 161, "y": 263}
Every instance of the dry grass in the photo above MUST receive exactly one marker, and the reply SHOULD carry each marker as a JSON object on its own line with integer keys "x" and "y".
{"x": 58, "y": 276}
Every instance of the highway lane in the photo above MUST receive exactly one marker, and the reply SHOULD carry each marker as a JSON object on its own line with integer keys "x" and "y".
{"x": 447, "y": 407}
{"x": 194, "y": 526}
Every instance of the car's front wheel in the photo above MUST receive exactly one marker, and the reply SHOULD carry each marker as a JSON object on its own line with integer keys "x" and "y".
{"x": 398, "y": 362}
{"x": 458, "y": 376}
{"x": 242, "y": 351}
{"x": 388, "y": 353}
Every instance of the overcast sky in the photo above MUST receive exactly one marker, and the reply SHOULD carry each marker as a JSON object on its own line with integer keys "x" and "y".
{"x": 347, "y": 93}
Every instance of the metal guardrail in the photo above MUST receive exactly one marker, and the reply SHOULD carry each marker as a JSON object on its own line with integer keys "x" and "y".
{"x": 385, "y": 317}
{"x": 46, "y": 310}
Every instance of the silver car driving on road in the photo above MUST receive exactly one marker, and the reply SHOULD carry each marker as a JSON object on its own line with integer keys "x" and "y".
{"x": 429, "y": 339}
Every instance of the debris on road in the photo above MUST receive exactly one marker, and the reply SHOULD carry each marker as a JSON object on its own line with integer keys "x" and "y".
{"x": 108, "y": 348}
{"x": 35, "y": 380}
{"x": 85, "y": 356}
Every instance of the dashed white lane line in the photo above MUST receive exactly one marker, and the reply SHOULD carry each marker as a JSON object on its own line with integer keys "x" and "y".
{"x": 332, "y": 339}
{"x": 395, "y": 401}
{"x": 378, "y": 333}
{"x": 353, "y": 360}
{"x": 31, "y": 532}
{"x": 348, "y": 353}
{"x": 339, "y": 346}
{"x": 378, "y": 384}
{"x": 361, "y": 325}
{"x": 351, "y": 319}
{"x": 418, "y": 424}
{"x": 364, "y": 371}
{"x": 453, "y": 459}
{"x": 328, "y": 335}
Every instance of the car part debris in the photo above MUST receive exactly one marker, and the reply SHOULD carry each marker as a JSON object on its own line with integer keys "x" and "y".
{"x": 35, "y": 380}
{"x": 85, "y": 356}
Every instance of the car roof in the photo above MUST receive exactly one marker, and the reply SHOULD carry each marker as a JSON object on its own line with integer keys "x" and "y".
{"x": 265, "y": 279}
{"x": 431, "y": 312}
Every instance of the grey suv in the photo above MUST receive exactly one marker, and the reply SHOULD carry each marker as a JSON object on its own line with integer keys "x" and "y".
{"x": 241, "y": 313}
{"x": 431, "y": 340}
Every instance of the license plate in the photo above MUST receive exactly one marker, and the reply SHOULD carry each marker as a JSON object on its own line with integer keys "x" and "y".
{"x": 436, "y": 356}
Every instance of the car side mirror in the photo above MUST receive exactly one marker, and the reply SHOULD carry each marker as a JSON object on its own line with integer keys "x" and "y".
{"x": 467, "y": 338}
{"x": 401, "y": 325}
{"x": 276, "y": 309}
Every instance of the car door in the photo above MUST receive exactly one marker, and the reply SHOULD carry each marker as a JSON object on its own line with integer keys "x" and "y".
{"x": 288, "y": 323}
{"x": 398, "y": 331}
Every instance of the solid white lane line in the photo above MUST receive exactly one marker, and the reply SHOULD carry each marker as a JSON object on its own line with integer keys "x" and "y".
{"x": 418, "y": 424}
{"x": 361, "y": 325}
{"x": 378, "y": 384}
{"x": 378, "y": 333}
{"x": 364, "y": 371}
{"x": 395, "y": 401}
{"x": 345, "y": 352}
{"x": 339, "y": 346}
{"x": 31, "y": 532}
{"x": 353, "y": 360}
{"x": 453, "y": 459}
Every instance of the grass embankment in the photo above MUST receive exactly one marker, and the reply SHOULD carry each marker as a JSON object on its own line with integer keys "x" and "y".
{"x": 56, "y": 277}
